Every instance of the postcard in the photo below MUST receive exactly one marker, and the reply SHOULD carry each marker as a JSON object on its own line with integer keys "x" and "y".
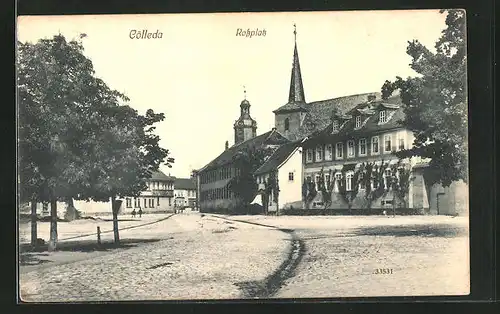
{"x": 223, "y": 156}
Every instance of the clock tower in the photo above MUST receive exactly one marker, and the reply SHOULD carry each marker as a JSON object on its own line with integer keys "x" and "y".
{"x": 245, "y": 127}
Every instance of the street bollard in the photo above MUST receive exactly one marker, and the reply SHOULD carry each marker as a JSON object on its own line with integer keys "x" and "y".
{"x": 98, "y": 235}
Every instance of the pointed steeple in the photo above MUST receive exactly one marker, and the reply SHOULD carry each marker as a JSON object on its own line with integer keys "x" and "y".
{"x": 296, "y": 88}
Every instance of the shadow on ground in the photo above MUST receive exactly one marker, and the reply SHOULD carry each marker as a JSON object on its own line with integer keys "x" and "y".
{"x": 445, "y": 231}
{"x": 86, "y": 246}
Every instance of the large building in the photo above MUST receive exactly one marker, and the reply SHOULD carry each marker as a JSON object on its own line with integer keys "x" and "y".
{"x": 355, "y": 146}
{"x": 213, "y": 179}
{"x": 336, "y": 137}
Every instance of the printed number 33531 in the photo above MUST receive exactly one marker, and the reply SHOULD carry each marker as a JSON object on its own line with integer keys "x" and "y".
{"x": 382, "y": 271}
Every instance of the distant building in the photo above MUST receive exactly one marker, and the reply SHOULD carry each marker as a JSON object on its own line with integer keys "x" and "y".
{"x": 185, "y": 192}
{"x": 159, "y": 197}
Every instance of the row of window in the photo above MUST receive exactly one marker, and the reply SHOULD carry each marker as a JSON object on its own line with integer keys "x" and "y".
{"x": 358, "y": 121}
{"x": 326, "y": 153}
{"x": 216, "y": 194}
{"x": 190, "y": 193}
{"x": 349, "y": 180}
{"x": 147, "y": 202}
{"x": 217, "y": 174}
{"x": 156, "y": 185}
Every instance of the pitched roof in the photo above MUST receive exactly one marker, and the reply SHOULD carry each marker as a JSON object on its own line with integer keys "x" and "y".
{"x": 278, "y": 157}
{"x": 160, "y": 176}
{"x": 272, "y": 137}
{"x": 371, "y": 126}
{"x": 184, "y": 184}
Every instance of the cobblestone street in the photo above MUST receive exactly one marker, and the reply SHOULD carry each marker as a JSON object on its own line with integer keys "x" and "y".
{"x": 199, "y": 258}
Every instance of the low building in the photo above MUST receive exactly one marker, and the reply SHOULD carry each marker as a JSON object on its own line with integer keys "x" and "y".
{"x": 280, "y": 179}
{"x": 159, "y": 197}
{"x": 185, "y": 192}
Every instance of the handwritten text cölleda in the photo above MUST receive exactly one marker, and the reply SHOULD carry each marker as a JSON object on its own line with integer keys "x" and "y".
{"x": 250, "y": 33}
{"x": 145, "y": 34}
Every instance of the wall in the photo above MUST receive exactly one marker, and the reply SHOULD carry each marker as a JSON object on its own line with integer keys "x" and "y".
{"x": 294, "y": 119}
{"x": 92, "y": 208}
{"x": 419, "y": 196}
{"x": 290, "y": 191}
{"x": 185, "y": 197}
{"x": 369, "y": 156}
{"x": 453, "y": 200}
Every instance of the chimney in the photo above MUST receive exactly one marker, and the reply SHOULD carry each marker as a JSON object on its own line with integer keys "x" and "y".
{"x": 227, "y": 145}
{"x": 371, "y": 98}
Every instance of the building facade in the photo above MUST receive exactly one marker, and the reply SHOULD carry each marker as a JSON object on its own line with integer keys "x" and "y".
{"x": 353, "y": 161}
{"x": 185, "y": 192}
{"x": 215, "y": 194}
{"x": 159, "y": 197}
{"x": 279, "y": 179}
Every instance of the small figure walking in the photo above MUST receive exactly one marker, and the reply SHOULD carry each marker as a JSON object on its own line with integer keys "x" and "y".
{"x": 140, "y": 212}
{"x": 133, "y": 213}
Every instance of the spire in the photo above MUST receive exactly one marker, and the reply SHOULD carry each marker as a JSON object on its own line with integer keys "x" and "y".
{"x": 245, "y": 92}
{"x": 296, "y": 88}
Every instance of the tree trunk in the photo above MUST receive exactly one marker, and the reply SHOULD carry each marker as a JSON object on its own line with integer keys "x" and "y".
{"x": 114, "y": 208}
{"x": 53, "y": 225}
{"x": 393, "y": 204}
{"x": 33, "y": 223}
{"x": 71, "y": 212}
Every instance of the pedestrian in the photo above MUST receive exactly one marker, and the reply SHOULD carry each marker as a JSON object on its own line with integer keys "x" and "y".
{"x": 133, "y": 213}
{"x": 140, "y": 212}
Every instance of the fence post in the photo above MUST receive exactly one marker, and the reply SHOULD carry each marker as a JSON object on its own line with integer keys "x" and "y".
{"x": 98, "y": 236}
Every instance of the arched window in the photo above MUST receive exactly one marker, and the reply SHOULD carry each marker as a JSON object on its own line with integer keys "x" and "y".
{"x": 348, "y": 181}
{"x": 287, "y": 124}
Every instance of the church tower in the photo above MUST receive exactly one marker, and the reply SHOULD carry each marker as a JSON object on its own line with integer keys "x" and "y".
{"x": 245, "y": 127}
{"x": 289, "y": 117}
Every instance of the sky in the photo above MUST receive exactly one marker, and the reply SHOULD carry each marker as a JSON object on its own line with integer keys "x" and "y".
{"x": 195, "y": 74}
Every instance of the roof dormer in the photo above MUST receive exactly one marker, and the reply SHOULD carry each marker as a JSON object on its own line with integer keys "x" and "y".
{"x": 361, "y": 115}
{"x": 386, "y": 111}
{"x": 338, "y": 121}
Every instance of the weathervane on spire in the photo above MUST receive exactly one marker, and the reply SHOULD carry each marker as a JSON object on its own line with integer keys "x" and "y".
{"x": 295, "y": 31}
{"x": 245, "y": 91}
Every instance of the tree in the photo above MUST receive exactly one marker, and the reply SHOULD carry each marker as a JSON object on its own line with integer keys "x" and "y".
{"x": 76, "y": 140}
{"x": 128, "y": 152}
{"x": 311, "y": 193}
{"x": 326, "y": 187}
{"x": 435, "y": 102}
{"x": 349, "y": 195}
{"x": 400, "y": 183}
{"x": 247, "y": 161}
{"x": 52, "y": 77}
{"x": 366, "y": 180}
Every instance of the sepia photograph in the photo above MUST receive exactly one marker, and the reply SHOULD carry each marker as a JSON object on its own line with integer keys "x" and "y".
{"x": 229, "y": 156}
